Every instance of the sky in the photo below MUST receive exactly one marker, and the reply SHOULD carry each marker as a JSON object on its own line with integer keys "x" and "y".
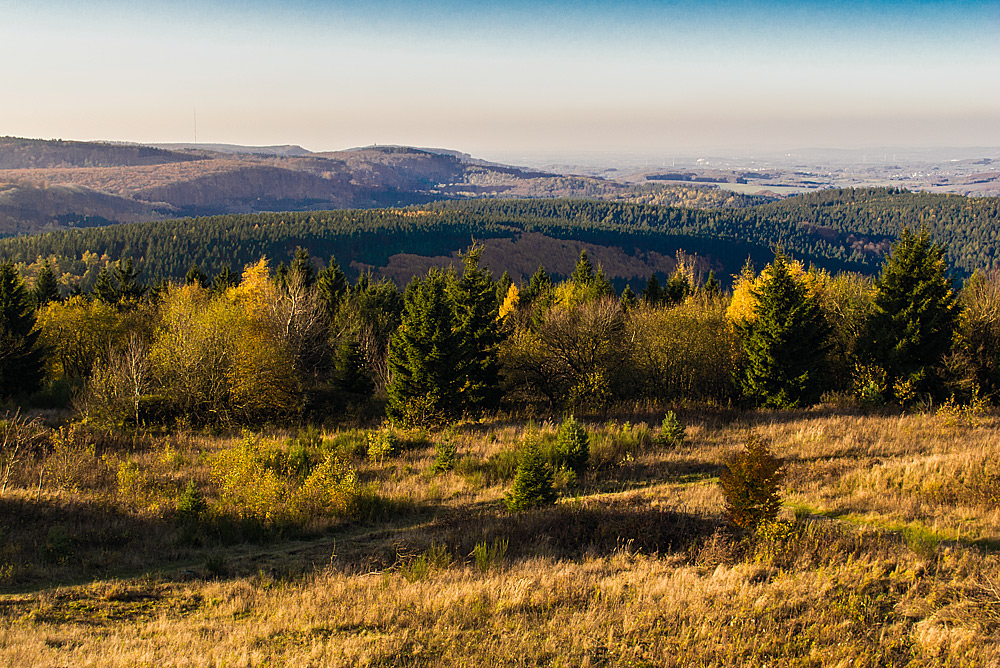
{"x": 502, "y": 79}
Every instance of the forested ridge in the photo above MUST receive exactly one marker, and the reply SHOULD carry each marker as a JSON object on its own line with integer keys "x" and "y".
{"x": 835, "y": 229}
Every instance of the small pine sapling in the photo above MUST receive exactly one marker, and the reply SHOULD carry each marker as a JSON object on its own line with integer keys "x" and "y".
{"x": 671, "y": 430}
{"x": 573, "y": 446}
{"x": 533, "y": 484}
{"x": 750, "y": 483}
{"x": 447, "y": 455}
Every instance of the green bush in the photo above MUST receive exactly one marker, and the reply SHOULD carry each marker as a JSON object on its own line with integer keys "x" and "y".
{"x": 750, "y": 484}
{"x": 488, "y": 556}
{"x": 191, "y": 503}
{"x": 533, "y": 484}
{"x": 573, "y": 446}
{"x": 382, "y": 444}
{"x": 446, "y": 455}
{"x": 671, "y": 430}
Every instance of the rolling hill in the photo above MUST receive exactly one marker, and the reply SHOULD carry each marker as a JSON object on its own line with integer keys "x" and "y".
{"x": 172, "y": 181}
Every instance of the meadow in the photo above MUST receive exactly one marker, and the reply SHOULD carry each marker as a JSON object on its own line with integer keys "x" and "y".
{"x": 885, "y": 552}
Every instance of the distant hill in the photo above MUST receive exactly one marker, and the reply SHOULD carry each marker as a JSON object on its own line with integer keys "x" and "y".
{"x": 175, "y": 180}
{"x": 283, "y": 149}
{"x": 16, "y": 153}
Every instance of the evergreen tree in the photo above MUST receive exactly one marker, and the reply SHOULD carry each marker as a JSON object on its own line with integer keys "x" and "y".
{"x": 302, "y": 268}
{"x": 332, "y": 288}
{"x": 477, "y": 312}
{"x": 678, "y": 288}
{"x": 653, "y": 294}
{"x": 46, "y": 287}
{"x": 916, "y": 312}
{"x": 503, "y": 286}
{"x": 628, "y": 298}
{"x": 533, "y": 485}
{"x": 573, "y": 445}
{"x": 712, "y": 287}
{"x": 129, "y": 289}
{"x": 105, "y": 289}
{"x": 425, "y": 356}
{"x": 20, "y": 356}
{"x": 225, "y": 279}
{"x": 195, "y": 276}
{"x": 539, "y": 285}
{"x": 583, "y": 274}
{"x": 349, "y": 370}
{"x": 785, "y": 342}
{"x": 601, "y": 285}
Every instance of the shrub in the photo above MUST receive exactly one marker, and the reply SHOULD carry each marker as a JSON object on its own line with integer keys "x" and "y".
{"x": 533, "y": 485}
{"x": 19, "y": 437}
{"x": 447, "y": 455}
{"x": 191, "y": 503}
{"x": 248, "y": 487}
{"x": 573, "y": 446}
{"x": 381, "y": 444}
{"x": 671, "y": 430}
{"x": 487, "y": 555}
{"x": 331, "y": 488}
{"x": 750, "y": 484}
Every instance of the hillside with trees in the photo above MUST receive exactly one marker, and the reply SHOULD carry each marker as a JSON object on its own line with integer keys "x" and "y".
{"x": 835, "y": 230}
{"x": 234, "y": 450}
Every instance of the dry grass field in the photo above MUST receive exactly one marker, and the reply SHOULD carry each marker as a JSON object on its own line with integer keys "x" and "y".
{"x": 885, "y": 553}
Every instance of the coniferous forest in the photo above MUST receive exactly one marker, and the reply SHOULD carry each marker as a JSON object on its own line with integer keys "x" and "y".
{"x": 237, "y": 423}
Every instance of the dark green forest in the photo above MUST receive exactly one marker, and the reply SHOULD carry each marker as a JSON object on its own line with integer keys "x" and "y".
{"x": 837, "y": 230}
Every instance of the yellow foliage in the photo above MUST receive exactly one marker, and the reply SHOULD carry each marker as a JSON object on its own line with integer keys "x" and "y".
{"x": 332, "y": 487}
{"x": 247, "y": 486}
{"x": 742, "y": 307}
{"x": 256, "y": 292}
{"x": 78, "y": 333}
{"x": 510, "y": 301}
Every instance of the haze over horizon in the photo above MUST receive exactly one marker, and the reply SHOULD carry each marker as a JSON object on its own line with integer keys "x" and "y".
{"x": 501, "y": 79}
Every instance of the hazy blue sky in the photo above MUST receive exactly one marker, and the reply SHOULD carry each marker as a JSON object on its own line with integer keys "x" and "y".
{"x": 500, "y": 78}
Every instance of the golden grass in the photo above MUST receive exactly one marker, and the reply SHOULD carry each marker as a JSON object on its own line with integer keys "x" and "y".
{"x": 891, "y": 560}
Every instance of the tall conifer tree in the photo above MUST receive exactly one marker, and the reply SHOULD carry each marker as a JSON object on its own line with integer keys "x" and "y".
{"x": 425, "y": 355}
{"x": 20, "y": 357}
{"x": 916, "y": 312}
{"x": 785, "y": 342}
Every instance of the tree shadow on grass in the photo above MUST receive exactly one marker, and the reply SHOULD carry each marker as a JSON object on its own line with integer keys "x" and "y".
{"x": 64, "y": 540}
{"x": 575, "y": 530}
{"x": 641, "y": 474}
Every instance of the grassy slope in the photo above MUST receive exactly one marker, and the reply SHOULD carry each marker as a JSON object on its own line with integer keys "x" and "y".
{"x": 896, "y": 565}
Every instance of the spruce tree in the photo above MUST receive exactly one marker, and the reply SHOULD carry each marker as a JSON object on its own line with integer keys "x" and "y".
{"x": 477, "y": 313}
{"x": 653, "y": 295}
{"x": 350, "y": 374}
{"x": 583, "y": 274}
{"x": 628, "y": 298}
{"x": 533, "y": 484}
{"x": 785, "y": 342}
{"x": 302, "y": 269}
{"x": 712, "y": 287}
{"x": 20, "y": 356}
{"x": 46, "y": 287}
{"x": 425, "y": 356}
{"x": 573, "y": 445}
{"x": 195, "y": 276}
{"x": 105, "y": 289}
{"x": 539, "y": 284}
{"x": 915, "y": 313}
{"x": 130, "y": 290}
{"x": 332, "y": 288}
{"x": 225, "y": 279}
